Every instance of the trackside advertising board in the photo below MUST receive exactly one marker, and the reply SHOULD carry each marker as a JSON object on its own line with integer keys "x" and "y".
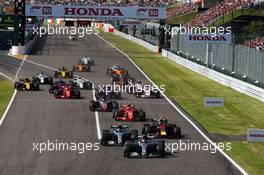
{"x": 255, "y": 135}
{"x": 95, "y": 12}
{"x": 208, "y": 38}
{"x": 213, "y": 102}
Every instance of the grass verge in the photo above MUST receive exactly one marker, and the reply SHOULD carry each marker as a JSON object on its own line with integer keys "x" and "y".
{"x": 249, "y": 155}
{"x": 189, "y": 89}
{"x": 6, "y": 92}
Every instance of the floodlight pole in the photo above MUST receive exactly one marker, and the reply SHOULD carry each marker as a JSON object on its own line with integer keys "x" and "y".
{"x": 20, "y": 23}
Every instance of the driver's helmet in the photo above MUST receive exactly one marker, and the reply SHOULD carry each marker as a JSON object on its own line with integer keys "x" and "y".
{"x": 163, "y": 120}
{"x": 109, "y": 88}
{"x": 104, "y": 98}
{"x": 144, "y": 139}
{"x": 119, "y": 128}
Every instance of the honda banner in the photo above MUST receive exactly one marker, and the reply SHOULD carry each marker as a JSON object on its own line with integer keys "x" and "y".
{"x": 209, "y": 38}
{"x": 95, "y": 12}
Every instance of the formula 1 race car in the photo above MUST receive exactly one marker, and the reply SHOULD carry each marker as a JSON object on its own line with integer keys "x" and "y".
{"x": 63, "y": 73}
{"x": 129, "y": 113}
{"x": 26, "y": 85}
{"x": 118, "y": 136}
{"x": 83, "y": 83}
{"x": 103, "y": 105}
{"x": 67, "y": 92}
{"x": 161, "y": 129}
{"x": 87, "y": 60}
{"x": 108, "y": 92}
{"x": 56, "y": 85}
{"x": 122, "y": 79}
{"x": 73, "y": 37}
{"x": 145, "y": 147}
{"x": 116, "y": 70}
{"x": 146, "y": 91}
{"x": 81, "y": 67}
{"x": 43, "y": 78}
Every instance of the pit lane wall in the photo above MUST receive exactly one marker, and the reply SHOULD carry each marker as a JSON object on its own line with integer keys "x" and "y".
{"x": 138, "y": 41}
{"x": 223, "y": 79}
{"x": 22, "y": 50}
{"x": 238, "y": 85}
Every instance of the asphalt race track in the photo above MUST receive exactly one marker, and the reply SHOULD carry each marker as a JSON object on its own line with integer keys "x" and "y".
{"x": 38, "y": 117}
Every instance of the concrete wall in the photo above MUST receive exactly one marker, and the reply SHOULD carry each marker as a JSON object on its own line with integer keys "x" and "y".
{"x": 22, "y": 50}
{"x": 138, "y": 41}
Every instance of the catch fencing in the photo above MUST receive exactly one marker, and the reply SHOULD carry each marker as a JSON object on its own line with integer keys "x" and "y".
{"x": 238, "y": 61}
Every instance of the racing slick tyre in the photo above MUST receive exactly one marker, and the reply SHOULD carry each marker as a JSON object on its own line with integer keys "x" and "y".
{"x": 115, "y": 114}
{"x": 51, "y": 91}
{"x": 16, "y": 86}
{"x": 118, "y": 95}
{"x": 70, "y": 74}
{"x": 35, "y": 86}
{"x": 178, "y": 132}
{"x": 50, "y": 80}
{"x": 115, "y": 105}
{"x": 146, "y": 129}
{"x": 88, "y": 68}
{"x": 55, "y": 74}
{"x": 74, "y": 69}
{"x": 35, "y": 80}
{"x": 130, "y": 90}
{"x": 134, "y": 134}
{"x": 142, "y": 115}
{"x": 109, "y": 72}
{"x": 128, "y": 149}
{"x": 137, "y": 95}
{"x": 55, "y": 93}
{"x": 91, "y": 62}
{"x": 91, "y": 106}
{"x": 105, "y": 137}
{"x": 88, "y": 86}
{"x": 161, "y": 148}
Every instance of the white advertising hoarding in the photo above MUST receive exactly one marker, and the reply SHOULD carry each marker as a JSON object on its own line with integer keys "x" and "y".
{"x": 255, "y": 135}
{"x": 208, "y": 38}
{"x": 95, "y": 12}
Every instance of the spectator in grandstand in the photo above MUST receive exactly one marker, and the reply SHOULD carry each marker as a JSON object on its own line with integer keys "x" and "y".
{"x": 181, "y": 9}
{"x": 257, "y": 43}
{"x": 223, "y": 8}
{"x": 152, "y": 3}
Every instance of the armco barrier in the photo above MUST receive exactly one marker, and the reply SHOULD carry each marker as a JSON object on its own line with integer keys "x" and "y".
{"x": 231, "y": 82}
{"x": 138, "y": 41}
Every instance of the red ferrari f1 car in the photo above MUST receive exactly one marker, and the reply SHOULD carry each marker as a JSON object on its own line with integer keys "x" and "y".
{"x": 129, "y": 113}
{"x": 67, "y": 92}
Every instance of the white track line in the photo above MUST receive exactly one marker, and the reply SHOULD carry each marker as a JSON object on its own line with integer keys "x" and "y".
{"x": 7, "y": 77}
{"x": 99, "y": 135}
{"x": 180, "y": 112}
{"x": 14, "y": 94}
{"x": 96, "y": 113}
